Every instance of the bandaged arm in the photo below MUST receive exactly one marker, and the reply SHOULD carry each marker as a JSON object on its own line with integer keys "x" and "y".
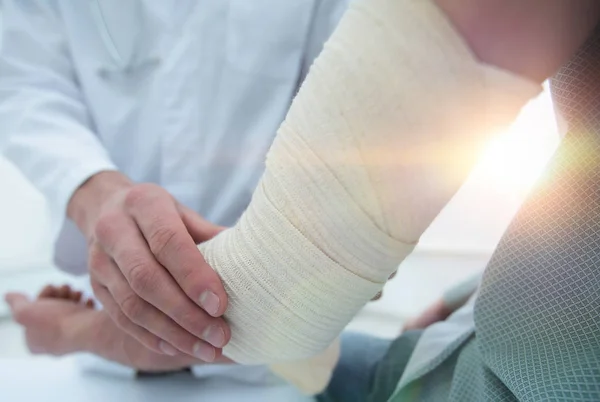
{"x": 380, "y": 136}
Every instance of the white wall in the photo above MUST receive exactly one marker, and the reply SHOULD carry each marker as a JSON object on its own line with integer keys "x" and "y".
{"x": 24, "y": 245}
{"x": 23, "y": 220}
{"x": 24, "y": 234}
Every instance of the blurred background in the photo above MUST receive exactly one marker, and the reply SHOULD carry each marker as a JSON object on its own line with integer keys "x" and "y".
{"x": 458, "y": 244}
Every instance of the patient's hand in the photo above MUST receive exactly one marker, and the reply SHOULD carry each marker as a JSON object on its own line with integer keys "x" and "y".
{"x": 46, "y": 319}
{"x": 436, "y": 312}
{"x": 59, "y": 322}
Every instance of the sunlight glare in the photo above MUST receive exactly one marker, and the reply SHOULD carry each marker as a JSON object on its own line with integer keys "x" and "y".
{"x": 513, "y": 160}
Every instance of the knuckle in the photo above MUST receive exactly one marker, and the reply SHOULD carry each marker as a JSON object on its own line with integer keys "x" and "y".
{"x": 135, "y": 195}
{"x": 122, "y": 321}
{"x": 164, "y": 238}
{"x": 192, "y": 320}
{"x": 139, "y": 193}
{"x": 96, "y": 258}
{"x": 188, "y": 276}
{"x": 188, "y": 318}
{"x": 172, "y": 333}
{"x": 141, "y": 277}
{"x": 104, "y": 227}
{"x": 132, "y": 307}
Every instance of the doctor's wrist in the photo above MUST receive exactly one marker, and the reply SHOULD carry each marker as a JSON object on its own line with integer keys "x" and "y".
{"x": 86, "y": 202}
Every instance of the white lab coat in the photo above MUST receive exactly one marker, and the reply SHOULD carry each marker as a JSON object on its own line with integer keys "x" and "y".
{"x": 184, "y": 94}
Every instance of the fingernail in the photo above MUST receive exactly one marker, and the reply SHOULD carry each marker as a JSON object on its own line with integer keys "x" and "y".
{"x": 167, "y": 349}
{"x": 210, "y": 302}
{"x": 215, "y": 336}
{"x": 204, "y": 352}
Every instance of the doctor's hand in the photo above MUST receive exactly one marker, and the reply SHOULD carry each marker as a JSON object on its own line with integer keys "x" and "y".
{"x": 61, "y": 321}
{"x": 145, "y": 267}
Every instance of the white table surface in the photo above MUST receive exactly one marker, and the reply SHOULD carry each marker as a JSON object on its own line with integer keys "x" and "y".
{"x": 41, "y": 379}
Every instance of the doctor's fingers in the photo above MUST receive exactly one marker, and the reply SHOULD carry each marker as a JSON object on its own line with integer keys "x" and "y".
{"x": 161, "y": 221}
{"x": 199, "y": 228}
{"x": 109, "y": 305}
{"x": 174, "y": 318}
{"x": 200, "y": 350}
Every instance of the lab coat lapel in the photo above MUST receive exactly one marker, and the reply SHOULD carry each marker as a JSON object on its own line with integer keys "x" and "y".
{"x": 131, "y": 29}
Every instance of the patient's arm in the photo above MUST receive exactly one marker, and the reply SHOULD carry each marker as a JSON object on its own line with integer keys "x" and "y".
{"x": 385, "y": 129}
{"x": 532, "y": 38}
{"x": 383, "y": 132}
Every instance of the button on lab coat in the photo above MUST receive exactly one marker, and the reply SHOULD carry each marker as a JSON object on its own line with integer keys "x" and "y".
{"x": 185, "y": 94}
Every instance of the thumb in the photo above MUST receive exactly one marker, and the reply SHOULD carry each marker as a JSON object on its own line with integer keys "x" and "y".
{"x": 17, "y": 302}
{"x": 199, "y": 228}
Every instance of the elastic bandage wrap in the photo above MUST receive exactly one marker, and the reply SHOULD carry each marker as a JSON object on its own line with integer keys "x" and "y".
{"x": 380, "y": 136}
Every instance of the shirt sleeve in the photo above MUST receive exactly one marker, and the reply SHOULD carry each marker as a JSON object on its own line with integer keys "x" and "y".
{"x": 45, "y": 128}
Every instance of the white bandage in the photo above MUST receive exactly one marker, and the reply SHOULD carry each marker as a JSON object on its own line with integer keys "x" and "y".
{"x": 381, "y": 135}
{"x": 311, "y": 375}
